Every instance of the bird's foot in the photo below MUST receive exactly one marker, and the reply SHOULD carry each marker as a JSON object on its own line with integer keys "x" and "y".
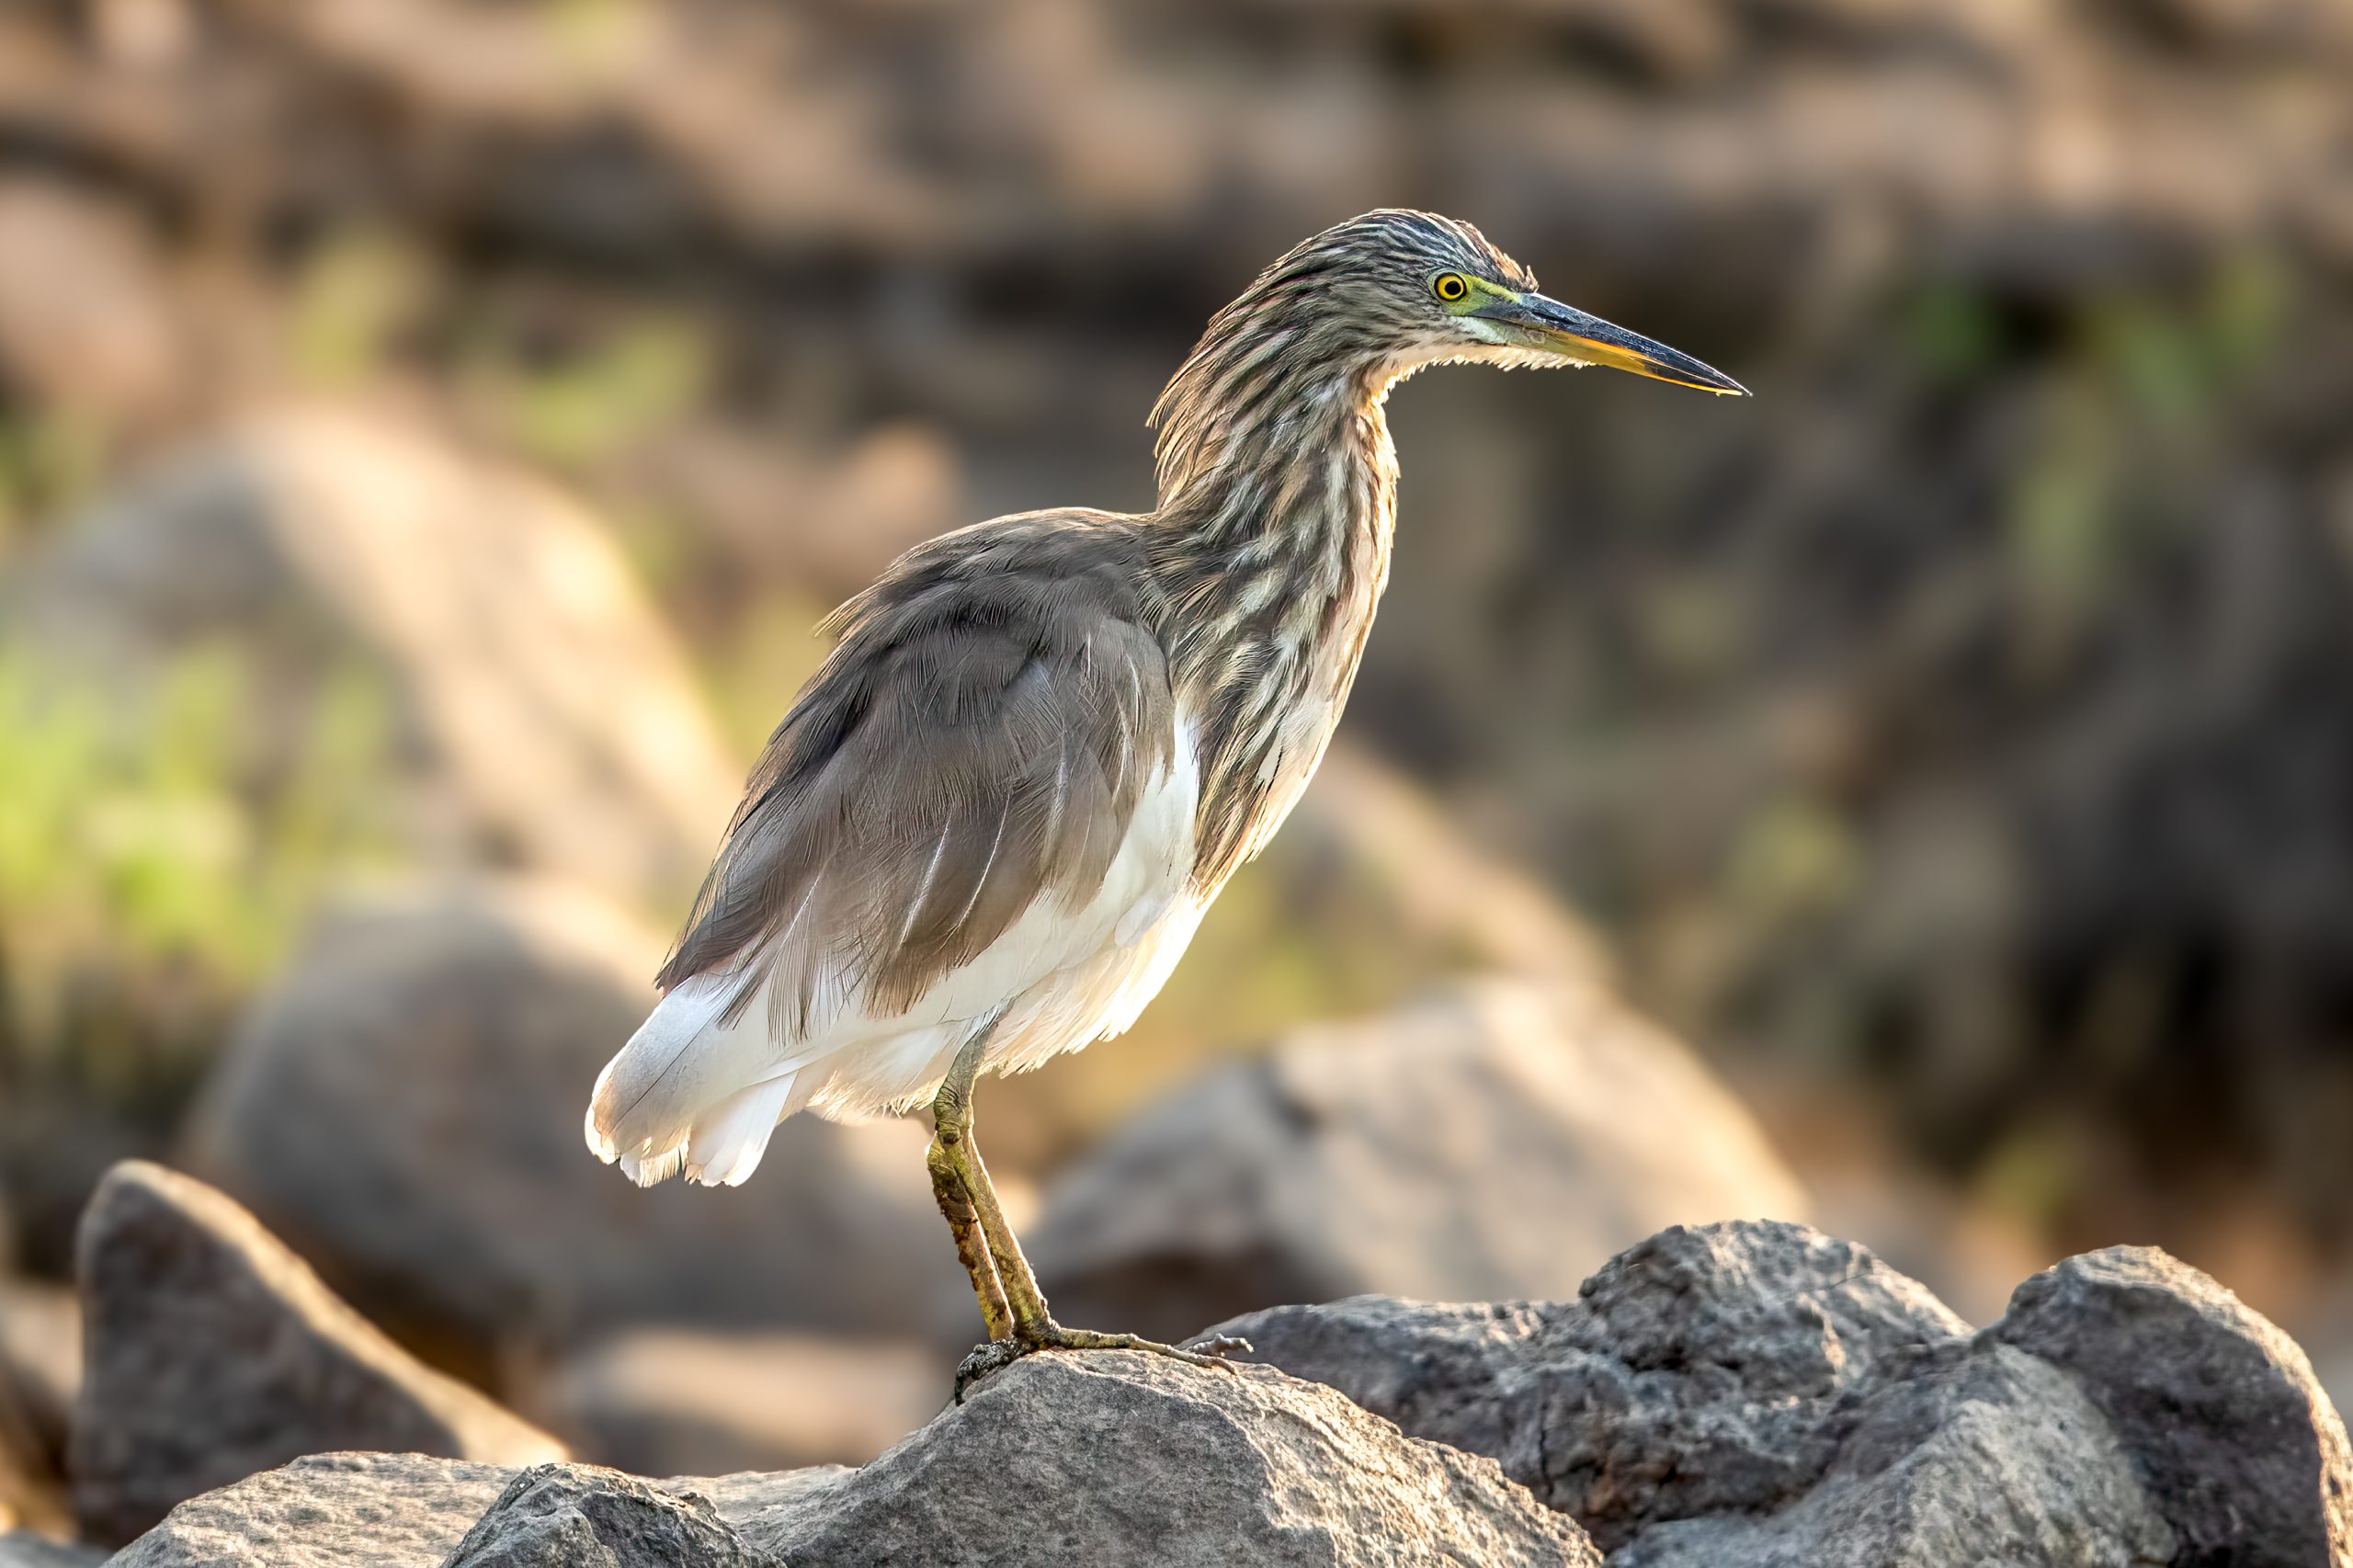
{"x": 1027, "y": 1340}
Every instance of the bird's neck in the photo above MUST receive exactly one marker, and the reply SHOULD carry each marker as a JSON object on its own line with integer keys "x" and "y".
{"x": 1269, "y": 552}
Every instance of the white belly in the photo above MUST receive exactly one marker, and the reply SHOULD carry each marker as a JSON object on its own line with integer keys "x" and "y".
{"x": 1058, "y": 979}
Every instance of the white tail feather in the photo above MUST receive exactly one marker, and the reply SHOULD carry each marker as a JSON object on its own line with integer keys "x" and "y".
{"x": 727, "y": 1143}
{"x": 681, "y": 1067}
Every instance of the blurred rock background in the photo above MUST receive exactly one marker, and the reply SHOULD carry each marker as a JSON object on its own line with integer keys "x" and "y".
{"x": 429, "y": 430}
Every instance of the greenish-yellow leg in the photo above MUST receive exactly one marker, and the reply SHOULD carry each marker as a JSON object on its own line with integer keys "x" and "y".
{"x": 1011, "y": 1303}
{"x": 972, "y": 1247}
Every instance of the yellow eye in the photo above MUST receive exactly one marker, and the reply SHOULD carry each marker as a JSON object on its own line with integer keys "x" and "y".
{"x": 1450, "y": 287}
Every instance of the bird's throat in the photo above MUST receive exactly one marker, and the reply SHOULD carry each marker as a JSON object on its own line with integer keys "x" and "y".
{"x": 1270, "y": 555}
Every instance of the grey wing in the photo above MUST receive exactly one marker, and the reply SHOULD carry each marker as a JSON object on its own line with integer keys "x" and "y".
{"x": 979, "y": 739}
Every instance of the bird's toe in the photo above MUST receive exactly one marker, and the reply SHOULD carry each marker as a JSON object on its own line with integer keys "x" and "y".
{"x": 992, "y": 1356}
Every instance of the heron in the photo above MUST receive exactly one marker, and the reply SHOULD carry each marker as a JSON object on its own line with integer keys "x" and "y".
{"x": 992, "y": 821}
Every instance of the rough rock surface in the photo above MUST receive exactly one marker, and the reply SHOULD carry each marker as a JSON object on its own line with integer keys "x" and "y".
{"x": 673, "y": 1402}
{"x": 212, "y": 1352}
{"x": 405, "y": 1108}
{"x": 359, "y": 1510}
{"x": 1058, "y": 1459}
{"x": 327, "y": 1511}
{"x": 556, "y": 1516}
{"x": 1749, "y": 1395}
{"x": 1404, "y": 1155}
{"x": 1121, "y": 1458}
{"x": 2220, "y": 1410}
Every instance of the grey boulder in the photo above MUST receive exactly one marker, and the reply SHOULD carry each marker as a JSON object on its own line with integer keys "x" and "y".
{"x": 1058, "y": 1459}
{"x": 211, "y": 1352}
{"x": 1125, "y": 1457}
{"x": 1497, "y": 1141}
{"x": 1764, "y": 1396}
{"x": 342, "y": 1510}
{"x": 557, "y": 1516}
{"x": 370, "y": 1510}
{"x": 405, "y": 1108}
{"x": 2220, "y": 1410}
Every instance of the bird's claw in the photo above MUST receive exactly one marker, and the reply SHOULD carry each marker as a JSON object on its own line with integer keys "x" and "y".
{"x": 986, "y": 1359}
{"x": 998, "y": 1354}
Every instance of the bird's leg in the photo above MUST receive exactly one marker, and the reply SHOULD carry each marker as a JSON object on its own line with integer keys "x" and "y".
{"x": 972, "y": 1247}
{"x": 1032, "y": 1328}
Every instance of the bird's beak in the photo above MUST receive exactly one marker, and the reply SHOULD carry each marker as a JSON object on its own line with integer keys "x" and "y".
{"x": 1589, "y": 340}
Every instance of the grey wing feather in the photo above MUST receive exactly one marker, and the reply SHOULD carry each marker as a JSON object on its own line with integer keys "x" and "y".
{"x": 978, "y": 739}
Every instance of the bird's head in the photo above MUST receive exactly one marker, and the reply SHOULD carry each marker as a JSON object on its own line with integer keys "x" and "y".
{"x": 1337, "y": 321}
{"x": 1412, "y": 288}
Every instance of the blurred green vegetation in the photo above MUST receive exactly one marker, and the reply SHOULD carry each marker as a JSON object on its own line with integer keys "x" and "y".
{"x": 571, "y": 408}
{"x": 51, "y": 459}
{"x": 146, "y": 869}
{"x": 2139, "y": 403}
{"x": 351, "y": 301}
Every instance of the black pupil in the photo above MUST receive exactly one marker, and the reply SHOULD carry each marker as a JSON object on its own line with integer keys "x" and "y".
{"x": 1451, "y": 287}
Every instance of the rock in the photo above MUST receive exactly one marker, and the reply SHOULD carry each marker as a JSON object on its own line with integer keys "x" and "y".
{"x": 2220, "y": 1410}
{"x": 555, "y": 1515}
{"x": 1122, "y": 1458}
{"x": 212, "y": 1352}
{"x": 326, "y": 1511}
{"x": 398, "y": 1511}
{"x": 406, "y": 1107}
{"x": 1980, "y": 1455}
{"x": 1106, "y": 1458}
{"x": 22, "y": 1549}
{"x": 541, "y": 716}
{"x": 1498, "y": 1140}
{"x": 1748, "y": 1395}
{"x": 669, "y": 1402}
{"x": 41, "y": 1358}
{"x": 1581, "y": 1400}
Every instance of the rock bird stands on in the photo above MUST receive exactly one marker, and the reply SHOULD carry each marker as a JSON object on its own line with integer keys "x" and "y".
{"x": 986, "y": 831}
